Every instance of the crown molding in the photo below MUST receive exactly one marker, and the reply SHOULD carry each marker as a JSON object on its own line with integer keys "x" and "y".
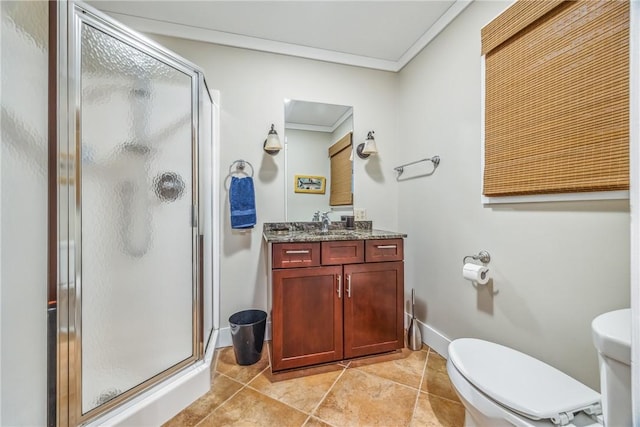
{"x": 433, "y": 31}
{"x": 153, "y": 26}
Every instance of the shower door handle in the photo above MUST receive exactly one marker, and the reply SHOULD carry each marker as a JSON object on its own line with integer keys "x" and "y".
{"x": 200, "y": 333}
{"x": 194, "y": 216}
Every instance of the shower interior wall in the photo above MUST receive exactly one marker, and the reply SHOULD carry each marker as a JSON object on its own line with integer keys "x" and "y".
{"x": 23, "y": 154}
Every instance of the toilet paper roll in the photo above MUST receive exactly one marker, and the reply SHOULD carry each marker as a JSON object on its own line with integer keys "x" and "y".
{"x": 476, "y": 273}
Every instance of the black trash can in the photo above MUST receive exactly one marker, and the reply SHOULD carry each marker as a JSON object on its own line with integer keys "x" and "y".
{"x": 247, "y": 333}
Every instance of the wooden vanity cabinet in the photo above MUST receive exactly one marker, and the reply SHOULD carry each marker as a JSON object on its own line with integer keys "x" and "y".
{"x": 339, "y": 305}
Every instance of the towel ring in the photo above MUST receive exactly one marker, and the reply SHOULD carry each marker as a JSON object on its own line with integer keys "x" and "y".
{"x": 240, "y": 167}
{"x": 240, "y": 170}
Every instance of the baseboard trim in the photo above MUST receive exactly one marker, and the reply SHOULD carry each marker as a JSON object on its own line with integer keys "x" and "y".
{"x": 432, "y": 337}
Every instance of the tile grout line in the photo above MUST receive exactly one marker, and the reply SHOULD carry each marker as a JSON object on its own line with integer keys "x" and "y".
{"x": 245, "y": 385}
{"x": 324, "y": 396}
{"x": 279, "y": 401}
{"x": 433, "y": 394}
{"x": 373, "y": 374}
{"x": 221, "y": 405}
{"x": 310, "y": 414}
{"x": 226, "y": 400}
{"x": 458, "y": 401}
{"x": 424, "y": 371}
{"x": 370, "y": 374}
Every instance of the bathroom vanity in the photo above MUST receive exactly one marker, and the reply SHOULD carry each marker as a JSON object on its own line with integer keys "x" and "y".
{"x": 334, "y": 295}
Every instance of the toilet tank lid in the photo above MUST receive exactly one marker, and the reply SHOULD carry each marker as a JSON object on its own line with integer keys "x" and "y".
{"x": 612, "y": 334}
{"x": 518, "y": 381}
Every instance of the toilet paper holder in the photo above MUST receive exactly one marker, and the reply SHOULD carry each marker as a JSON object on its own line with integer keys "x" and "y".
{"x": 482, "y": 256}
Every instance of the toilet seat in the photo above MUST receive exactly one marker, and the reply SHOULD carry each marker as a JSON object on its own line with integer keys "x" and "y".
{"x": 522, "y": 383}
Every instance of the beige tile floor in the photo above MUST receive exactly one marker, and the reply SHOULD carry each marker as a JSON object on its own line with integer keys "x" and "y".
{"x": 404, "y": 388}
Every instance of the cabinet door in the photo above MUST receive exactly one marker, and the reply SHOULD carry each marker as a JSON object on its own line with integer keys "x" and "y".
{"x": 306, "y": 316}
{"x": 373, "y": 308}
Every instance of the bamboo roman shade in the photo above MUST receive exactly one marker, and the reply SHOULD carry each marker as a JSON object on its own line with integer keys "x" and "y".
{"x": 340, "y": 183}
{"x": 557, "y": 98}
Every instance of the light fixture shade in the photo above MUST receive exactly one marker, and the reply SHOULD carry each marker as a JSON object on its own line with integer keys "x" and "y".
{"x": 370, "y": 147}
{"x": 272, "y": 144}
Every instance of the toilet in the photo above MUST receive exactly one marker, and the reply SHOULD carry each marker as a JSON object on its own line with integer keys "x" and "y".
{"x": 500, "y": 386}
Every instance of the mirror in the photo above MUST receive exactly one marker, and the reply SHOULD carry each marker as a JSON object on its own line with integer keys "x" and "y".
{"x": 311, "y": 128}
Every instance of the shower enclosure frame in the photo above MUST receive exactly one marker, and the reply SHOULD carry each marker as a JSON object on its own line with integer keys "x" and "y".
{"x": 65, "y": 286}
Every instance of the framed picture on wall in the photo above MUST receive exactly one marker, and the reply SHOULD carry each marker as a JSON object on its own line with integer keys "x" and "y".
{"x": 309, "y": 184}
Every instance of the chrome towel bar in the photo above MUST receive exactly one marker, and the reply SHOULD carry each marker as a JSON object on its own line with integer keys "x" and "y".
{"x": 435, "y": 160}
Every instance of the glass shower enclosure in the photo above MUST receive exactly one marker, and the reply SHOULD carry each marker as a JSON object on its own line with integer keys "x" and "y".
{"x": 134, "y": 219}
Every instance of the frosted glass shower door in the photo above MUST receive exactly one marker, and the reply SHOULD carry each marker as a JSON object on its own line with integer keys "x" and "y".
{"x": 136, "y": 199}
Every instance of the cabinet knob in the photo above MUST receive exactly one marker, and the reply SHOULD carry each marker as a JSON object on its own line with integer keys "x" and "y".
{"x": 349, "y": 285}
{"x": 339, "y": 286}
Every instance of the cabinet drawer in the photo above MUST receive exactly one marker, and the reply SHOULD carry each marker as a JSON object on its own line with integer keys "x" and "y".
{"x": 342, "y": 252}
{"x": 294, "y": 255}
{"x": 384, "y": 250}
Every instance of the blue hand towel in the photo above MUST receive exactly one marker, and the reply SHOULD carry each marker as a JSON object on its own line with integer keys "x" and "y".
{"x": 242, "y": 201}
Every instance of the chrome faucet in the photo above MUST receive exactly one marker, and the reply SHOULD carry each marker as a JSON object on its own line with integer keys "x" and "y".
{"x": 325, "y": 222}
{"x": 316, "y": 217}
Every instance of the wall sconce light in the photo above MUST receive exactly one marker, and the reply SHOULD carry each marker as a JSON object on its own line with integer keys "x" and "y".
{"x": 272, "y": 144}
{"x": 368, "y": 147}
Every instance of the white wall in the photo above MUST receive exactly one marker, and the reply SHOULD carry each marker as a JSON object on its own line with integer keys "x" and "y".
{"x": 23, "y": 266}
{"x": 555, "y": 265}
{"x": 307, "y": 154}
{"x": 253, "y": 86}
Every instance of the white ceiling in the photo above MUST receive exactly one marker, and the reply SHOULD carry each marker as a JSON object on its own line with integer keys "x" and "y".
{"x": 314, "y": 116}
{"x": 383, "y": 35}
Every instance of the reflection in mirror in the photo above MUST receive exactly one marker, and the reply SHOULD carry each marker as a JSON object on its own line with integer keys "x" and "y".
{"x": 313, "y": 132}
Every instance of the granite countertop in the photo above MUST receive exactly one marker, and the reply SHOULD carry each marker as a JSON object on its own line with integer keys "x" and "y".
{"x": 310, "y": 232}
